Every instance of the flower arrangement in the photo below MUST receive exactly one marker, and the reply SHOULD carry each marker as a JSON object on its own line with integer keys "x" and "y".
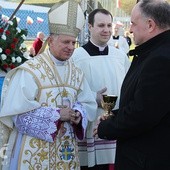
{"x": 12, "y": 46}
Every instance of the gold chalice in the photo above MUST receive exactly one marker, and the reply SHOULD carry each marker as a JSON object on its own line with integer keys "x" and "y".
{"x": 108, "y": 103}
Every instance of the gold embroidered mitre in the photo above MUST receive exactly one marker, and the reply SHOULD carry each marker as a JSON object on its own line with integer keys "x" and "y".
{"x": 66, "y": 18}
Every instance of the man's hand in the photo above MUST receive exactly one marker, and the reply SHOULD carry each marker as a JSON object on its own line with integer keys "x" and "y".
{"x": 76, "y": 118}
{"x": 116, "y": 45}
{"x": 99, "y": 96}
{"x": 99, "y": 119}
{"x": 68, "y": 114}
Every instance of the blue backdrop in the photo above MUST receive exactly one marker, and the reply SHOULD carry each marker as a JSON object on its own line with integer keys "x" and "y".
{"x": 33, "y": 28}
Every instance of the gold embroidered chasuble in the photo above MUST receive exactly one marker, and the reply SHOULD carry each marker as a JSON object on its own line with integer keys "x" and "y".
{"x": 57, "y": 88}
{"x": 55, "y": 91}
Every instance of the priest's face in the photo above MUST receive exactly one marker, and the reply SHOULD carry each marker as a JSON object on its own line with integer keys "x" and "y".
{"x": 101, "y": 30}
{"x": 62, "y": 46}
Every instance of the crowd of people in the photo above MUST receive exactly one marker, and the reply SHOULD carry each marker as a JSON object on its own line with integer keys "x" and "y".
{"x": 51, "y": 113}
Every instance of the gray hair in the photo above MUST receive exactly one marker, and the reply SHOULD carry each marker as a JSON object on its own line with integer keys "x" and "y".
{"x": 158, "y": 10}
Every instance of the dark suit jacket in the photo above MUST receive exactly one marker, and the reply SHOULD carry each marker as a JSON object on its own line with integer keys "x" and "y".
{"x": 142, "y": 123}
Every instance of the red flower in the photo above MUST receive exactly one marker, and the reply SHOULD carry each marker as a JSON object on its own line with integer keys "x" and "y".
{"x": 7, "y": 51}
{"x": 5, "y": 66}
{"x": 1, "y": 30}
{"x": 15, "y": 40}
{"x": 12, "y": 45}
{"x": 12, "y": 66}
{"x": 7, "y": 32}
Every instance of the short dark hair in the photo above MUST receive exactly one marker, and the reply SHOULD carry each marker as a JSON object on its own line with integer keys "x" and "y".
{"x": 94, "y": 12}
{"x": 159, "y": 11}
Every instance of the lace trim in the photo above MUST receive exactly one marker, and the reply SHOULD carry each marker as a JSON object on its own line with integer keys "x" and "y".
{"x": 39, "y": 123}
{"x": 79, "y": 107}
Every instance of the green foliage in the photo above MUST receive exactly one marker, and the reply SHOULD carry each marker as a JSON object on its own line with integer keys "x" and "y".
{"x": 12, "y": 47}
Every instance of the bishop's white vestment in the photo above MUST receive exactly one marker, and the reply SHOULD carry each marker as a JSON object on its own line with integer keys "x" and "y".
{"x": 32, "y": 97}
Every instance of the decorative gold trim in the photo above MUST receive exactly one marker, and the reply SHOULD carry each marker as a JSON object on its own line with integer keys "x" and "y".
{"x": 70, "y": 28}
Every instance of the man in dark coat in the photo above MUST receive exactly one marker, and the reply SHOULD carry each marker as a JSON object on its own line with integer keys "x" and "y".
{"x": 142, "y": 123}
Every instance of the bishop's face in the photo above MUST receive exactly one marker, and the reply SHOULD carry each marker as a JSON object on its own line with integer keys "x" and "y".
{"x": 101, "y": 30}
{"x": 62, "y": 46}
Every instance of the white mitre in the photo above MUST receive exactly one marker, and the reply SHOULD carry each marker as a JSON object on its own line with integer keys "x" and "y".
{"x": 66, "y": 18}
